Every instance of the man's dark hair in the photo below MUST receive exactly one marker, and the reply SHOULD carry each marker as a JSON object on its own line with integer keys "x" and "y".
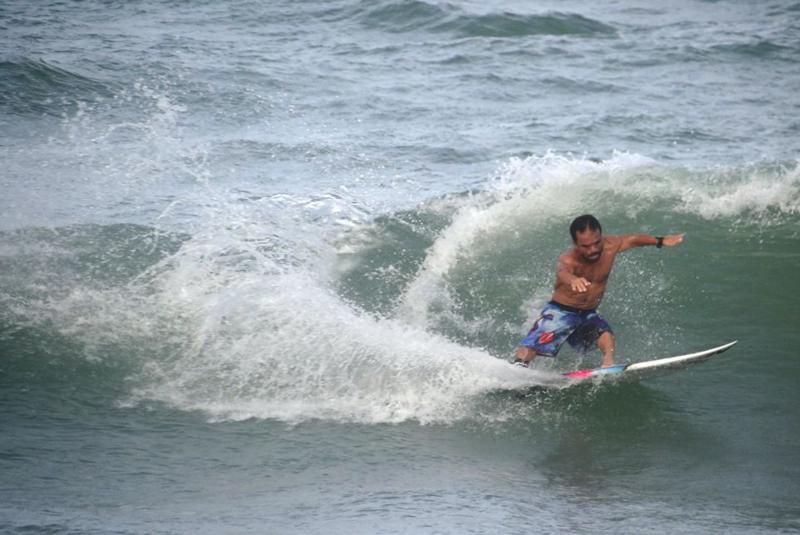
{"x": 581, "y": 223}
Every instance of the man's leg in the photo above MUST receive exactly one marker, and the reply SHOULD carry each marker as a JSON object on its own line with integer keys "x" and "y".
{"x": 606, "y": 344}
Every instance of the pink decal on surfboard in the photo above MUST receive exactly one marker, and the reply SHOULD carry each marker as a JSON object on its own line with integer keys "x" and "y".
{"x": 580, "y": 374}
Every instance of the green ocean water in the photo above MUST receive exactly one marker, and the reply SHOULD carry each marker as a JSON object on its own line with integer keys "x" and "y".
{"x": 262, "y": 266}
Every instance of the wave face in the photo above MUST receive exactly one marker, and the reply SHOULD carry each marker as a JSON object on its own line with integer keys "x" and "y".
{"x": 410, "y": 316}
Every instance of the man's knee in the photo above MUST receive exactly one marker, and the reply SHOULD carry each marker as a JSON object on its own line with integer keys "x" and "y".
{"x": 525, "y": 353}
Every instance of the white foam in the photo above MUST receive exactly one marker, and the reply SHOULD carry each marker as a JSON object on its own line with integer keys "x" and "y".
{"x": 756, "y": 192}
{"x": 284, "y": 347}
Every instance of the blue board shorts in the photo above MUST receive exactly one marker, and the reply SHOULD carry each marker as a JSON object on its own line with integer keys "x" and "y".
{"x": 560, "y": 323}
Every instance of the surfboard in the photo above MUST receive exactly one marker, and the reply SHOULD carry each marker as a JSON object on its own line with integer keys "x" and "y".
{"x": 647, "y": 368}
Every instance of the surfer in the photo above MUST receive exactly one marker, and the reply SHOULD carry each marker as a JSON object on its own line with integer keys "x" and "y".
{"x": 581, "y": 279}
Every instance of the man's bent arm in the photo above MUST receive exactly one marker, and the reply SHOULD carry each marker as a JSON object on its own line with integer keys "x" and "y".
{"x": 566, "y": 276}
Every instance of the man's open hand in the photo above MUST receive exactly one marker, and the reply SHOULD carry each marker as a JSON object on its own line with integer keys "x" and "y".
{"x": 672, "y": 241}
{"x": 580, "y": 285}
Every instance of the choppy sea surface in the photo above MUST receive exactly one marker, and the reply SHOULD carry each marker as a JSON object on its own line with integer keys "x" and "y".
{"x": 263, "y": 265}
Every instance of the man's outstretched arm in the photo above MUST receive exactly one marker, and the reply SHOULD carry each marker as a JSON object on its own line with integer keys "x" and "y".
{"x": 630, "y": 241}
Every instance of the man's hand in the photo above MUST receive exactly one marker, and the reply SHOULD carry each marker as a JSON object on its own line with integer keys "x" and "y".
{"x": 672, "y": 241}
{"x": 581, "y": 285}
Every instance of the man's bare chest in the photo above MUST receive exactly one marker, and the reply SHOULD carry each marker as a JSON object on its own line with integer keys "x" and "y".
{"x": 597, "y": 272}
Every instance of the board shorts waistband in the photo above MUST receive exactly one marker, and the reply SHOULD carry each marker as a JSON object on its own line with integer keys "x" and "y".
{"x": 571, "y": 309}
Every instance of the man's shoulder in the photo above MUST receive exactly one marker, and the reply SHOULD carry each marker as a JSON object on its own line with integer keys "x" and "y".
{"x": 613, "y": 244}
{"x": 568, "y": 257}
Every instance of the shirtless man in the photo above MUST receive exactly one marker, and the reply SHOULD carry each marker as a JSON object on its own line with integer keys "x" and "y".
{"x": 581, "y": 280}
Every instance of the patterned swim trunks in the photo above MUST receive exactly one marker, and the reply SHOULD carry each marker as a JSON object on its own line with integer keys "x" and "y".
{"x": 559, "y": 323}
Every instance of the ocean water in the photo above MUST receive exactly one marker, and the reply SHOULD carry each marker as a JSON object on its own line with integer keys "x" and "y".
{"x": 263, "y": 265}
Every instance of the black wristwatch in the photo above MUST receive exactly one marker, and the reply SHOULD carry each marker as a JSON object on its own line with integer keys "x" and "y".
{"x": 659, "y": 242}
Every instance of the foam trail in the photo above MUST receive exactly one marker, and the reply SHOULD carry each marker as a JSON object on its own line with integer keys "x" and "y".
{"x": 286, "y": 348}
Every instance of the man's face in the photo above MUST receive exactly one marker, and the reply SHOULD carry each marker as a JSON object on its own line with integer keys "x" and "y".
{"x": 589, "y": 244}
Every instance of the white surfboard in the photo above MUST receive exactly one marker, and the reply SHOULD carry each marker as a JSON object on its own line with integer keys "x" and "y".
{"x": 647, "y": 368}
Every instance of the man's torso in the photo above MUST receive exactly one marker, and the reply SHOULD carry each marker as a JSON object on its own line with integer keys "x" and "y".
{"x": 596, "y": 273}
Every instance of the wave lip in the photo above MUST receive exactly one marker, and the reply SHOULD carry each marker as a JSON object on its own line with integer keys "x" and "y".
{"x": 414, "y": 15}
